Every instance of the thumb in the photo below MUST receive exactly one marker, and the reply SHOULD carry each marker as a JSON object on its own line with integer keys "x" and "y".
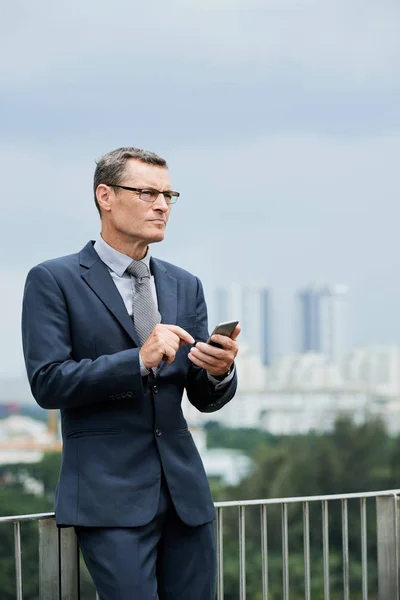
{"x": 236, "y": 332}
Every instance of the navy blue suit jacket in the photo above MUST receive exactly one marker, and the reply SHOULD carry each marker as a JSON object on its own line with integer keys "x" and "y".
{"x": 119, "y": 430}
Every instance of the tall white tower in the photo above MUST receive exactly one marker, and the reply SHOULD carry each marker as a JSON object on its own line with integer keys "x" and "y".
{"x": 323, "y": 316}
{"x": 250, "y": 304}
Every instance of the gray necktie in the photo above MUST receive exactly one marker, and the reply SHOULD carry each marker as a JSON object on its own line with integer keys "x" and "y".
{"x": 145, "y": 313}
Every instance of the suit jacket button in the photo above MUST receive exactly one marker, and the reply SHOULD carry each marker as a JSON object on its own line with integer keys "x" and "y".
{"x": 155, "y": 389}
{"x": 158, "y": 432}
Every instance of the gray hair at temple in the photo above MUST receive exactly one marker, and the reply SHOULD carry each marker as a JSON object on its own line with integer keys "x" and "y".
{"x": 111, "y": 166}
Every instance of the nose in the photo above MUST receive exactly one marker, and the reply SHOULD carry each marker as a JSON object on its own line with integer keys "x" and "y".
{"x": 160, "y": 203}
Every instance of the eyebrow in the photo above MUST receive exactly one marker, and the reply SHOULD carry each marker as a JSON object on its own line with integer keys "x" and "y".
{"x": 150, "y": 187}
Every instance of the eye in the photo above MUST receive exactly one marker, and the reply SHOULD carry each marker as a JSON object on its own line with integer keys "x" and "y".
{"x": 149, "y": 195}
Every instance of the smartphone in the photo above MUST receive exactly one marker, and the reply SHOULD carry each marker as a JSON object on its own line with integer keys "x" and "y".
{"x": 226, "y": 328}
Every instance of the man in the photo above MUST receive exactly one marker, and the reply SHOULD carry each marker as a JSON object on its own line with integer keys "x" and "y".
{"x": 112, "y": 337}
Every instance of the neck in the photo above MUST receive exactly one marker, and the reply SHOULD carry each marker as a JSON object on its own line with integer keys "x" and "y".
{"x": 136, "y": 249}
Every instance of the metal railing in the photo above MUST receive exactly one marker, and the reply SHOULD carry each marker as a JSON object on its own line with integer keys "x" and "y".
{"x": 388, "y": 543}
{"x": 59, "y": 570}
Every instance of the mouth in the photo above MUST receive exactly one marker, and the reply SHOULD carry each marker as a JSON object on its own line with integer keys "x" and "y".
{"x": 158, "y": 221}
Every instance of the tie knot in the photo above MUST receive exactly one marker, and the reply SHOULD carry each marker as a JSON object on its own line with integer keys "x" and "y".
{"x": 138, "y": 270}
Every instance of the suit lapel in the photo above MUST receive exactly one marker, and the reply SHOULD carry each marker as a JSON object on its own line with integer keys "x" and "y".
{"x": 167, "y": 292}
{"x": 99, "y": 280}
{"x": 167, "y": 296}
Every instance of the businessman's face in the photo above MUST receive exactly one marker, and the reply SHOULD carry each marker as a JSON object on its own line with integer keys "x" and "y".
{"x": 128, "y": 212}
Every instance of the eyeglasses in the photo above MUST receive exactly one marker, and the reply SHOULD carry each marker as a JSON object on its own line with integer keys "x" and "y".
{"x": 150, "y": 194}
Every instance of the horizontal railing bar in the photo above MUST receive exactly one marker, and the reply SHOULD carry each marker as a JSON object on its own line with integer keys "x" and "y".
{"x": 260, "y": 502}
{"x": 33, "y": 517}
{"x": 306, "y": 499}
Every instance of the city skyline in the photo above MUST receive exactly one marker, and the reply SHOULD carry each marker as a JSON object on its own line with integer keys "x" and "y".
{"x": 253, "y": 305}
{"x": 320, "y": 309}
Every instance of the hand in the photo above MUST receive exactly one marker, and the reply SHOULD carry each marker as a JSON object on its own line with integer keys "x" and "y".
{"x": 163, "y": 343}
{"x": 216, "y": 361}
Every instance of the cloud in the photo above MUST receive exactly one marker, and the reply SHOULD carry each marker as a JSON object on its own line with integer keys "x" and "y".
{"x": 119, "y": 73}
{"x": 197, "y": 72}
{"x": 331, "y": 43}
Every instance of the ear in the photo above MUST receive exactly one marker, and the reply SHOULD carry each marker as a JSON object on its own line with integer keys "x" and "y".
{"x": 104, "y": 196}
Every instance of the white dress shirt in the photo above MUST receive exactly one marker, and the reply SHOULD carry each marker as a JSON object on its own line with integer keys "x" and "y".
{"x": 117, "y": 264}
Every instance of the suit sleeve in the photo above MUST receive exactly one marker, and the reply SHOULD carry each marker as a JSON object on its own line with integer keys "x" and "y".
{"x": 56, "y": 379}
{"x": 201, "y": 392}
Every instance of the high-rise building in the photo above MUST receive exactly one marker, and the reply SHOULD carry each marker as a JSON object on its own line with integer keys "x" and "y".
{"x": 323, "y": 320}
{"x": 250, "y": 304}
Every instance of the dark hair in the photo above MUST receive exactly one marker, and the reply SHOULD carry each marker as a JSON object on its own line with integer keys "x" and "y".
{"x": 111, "y": 166}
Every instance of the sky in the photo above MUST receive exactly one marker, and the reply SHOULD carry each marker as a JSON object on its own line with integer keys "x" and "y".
{"x": 279, "y": 119}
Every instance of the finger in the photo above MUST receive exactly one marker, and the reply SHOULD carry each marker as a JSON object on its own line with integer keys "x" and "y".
{"x": 222, "y": 356}
{"x": 236, "y": 332}
{"x": 207, "y": 359}
{"x": 181, "y": 333}
{"x": 166, "y": 336}
{"x": 224, "y": 341}
{"x": 172, "y": 340}
{"x": 169, "y": 354}
{"x": 210, "y": 368}
{"x": 210, "y": 350}
{"x": 200, "y": 363}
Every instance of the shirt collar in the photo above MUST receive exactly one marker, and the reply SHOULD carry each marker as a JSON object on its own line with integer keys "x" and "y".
{"x": 116, "y": 261}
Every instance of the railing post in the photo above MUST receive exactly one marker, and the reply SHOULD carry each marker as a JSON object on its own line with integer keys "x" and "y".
{"x": 387, "y": 513}
{"x": 58, "y": 562}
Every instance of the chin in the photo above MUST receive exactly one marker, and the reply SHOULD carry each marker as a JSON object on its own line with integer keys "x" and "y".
{"x": 157, "y": 234}
{"x": 153, "y": 239}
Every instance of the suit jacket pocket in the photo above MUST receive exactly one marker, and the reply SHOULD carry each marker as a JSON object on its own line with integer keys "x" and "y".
{"x": 187, "y": 322}
{"x": 88, "y": 432}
